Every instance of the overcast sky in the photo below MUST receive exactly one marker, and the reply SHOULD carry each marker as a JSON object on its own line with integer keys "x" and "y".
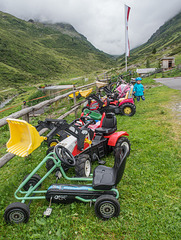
{"x": 100, "y": 21}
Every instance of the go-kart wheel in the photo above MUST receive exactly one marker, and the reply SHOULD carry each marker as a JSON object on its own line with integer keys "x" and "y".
{"x": 107, "y": 206}
{"x": 53, "y": 142}
{"x": 17, "y": 213}
{"x": 83, "y": 166}
{"x": 121, "y": 146}
{"x": 50, "y": 149}
{"x": 128, "y": 109}
{"x": 65, "y": 155}
{"x": 32, "y": 181}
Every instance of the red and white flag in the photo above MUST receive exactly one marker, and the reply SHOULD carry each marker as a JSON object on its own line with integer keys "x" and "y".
{"x": 127, "y": 46}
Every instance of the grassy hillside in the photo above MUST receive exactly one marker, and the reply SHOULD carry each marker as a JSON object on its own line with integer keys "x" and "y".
{"x": 31, "y": 51}
{"x": 164, "y": 42}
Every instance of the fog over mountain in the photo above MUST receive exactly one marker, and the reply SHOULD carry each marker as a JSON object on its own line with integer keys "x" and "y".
{"x": 101, "y": 21}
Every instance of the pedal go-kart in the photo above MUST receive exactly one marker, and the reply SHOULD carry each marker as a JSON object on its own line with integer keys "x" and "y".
{"x": 124, "y": 106}
{"x": 102, "y": 190}
{"x": 87, "y": 143}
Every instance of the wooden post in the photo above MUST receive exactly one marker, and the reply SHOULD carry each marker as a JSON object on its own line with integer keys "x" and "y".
{"x": 26, "y": 116}
{"x": 75, "y": 101}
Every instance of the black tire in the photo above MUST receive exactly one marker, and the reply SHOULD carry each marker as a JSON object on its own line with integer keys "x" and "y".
{"x": 122, "y": 141}
{"x": 50, "y": 149}
{"x": 32, "y": 182}
{"x": 128, "y": 109}
{"x": 17, "y": 213}
{"x": 53, "y": 142}
{"x": 106, "y": 207}
{"x": 83, "y": 166}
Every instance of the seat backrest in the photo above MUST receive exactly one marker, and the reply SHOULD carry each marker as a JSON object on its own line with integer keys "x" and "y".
{"x": 119, "y": 164}
{"x": 109, "y": 121}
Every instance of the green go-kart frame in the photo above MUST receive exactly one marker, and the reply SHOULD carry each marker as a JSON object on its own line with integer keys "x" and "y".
{"x": 103, "y": 193}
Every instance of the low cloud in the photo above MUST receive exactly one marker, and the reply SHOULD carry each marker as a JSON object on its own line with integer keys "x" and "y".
{"x": 100, "y": 21}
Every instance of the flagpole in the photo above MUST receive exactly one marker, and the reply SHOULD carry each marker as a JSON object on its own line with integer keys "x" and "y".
{"x": 125, "y": 40}
{"x": 127, "y": 9}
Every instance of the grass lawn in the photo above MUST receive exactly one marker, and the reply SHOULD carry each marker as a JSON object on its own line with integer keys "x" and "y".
{"x": 149, "y": 190}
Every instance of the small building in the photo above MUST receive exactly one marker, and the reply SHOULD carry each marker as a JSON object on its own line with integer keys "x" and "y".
{"x": 167, "y": 63}
{"x": 145, "y": 71}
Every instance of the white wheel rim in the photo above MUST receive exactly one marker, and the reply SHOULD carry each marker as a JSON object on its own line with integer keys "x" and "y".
{"x": 87, "y": 168}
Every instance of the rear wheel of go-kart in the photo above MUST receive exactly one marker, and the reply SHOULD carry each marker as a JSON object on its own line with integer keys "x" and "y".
{"x": 53, "y": 142}
{"x": 107, "y": 206}
{"x": 122, "y": 141}
{"x": 17, "y": 213}
{"x": 32, "y": 181}
{"x": 83, "y": 166}
{"x": 128, "y": 109}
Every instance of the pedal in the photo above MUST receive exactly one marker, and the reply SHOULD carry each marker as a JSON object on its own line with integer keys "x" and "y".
{"x": 101, "y": 162}
{"x": 47, "y": 212}
{"x": 58, "y": 174}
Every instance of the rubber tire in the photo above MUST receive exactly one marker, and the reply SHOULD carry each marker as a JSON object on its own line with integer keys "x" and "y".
{"x": 128, "y": 105}
{"x": 120, "y": 142}
{"x": 53, "y": 142}
{"x": 17, "y": 208}
{"x": 112, "y": 205}
{"x": 32, "y": 182}
{"x": 50, "y": 149}
{"x": 80, "y": 166}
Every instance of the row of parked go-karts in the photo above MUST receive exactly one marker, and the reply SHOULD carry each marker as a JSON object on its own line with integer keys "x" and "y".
{"x": 72, "y": 148}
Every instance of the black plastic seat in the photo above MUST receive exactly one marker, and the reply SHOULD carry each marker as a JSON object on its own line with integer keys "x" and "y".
{"x": 109, "y": 124}
{"x": 104, "y": 178}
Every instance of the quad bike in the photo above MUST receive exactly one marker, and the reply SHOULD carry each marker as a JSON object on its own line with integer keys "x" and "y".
{"x": 87, "y": 142}
{"x": 124, "y": 106}
{"x": 102, "y": 190}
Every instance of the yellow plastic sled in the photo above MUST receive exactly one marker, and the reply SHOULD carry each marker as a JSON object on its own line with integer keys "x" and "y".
{"x": 84, "y": 93}
{"x": 24, "y": 138}
{"x": 101, "y": 84}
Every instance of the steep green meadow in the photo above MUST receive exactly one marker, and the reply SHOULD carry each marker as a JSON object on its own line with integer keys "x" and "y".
{"x": 149, "y": 190}
{"x": 35, "y": 52}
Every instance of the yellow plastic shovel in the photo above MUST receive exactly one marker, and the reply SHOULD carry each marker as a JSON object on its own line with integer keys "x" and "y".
{"x": 24, "y": 138}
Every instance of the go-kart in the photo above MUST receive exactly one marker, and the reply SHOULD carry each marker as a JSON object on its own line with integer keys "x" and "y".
{"x": 87, "y": 142}
{"x": 102, "y": 191}
{"x": 111, "y": 103}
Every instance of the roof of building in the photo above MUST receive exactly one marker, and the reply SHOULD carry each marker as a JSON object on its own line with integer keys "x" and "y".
{"x": 167, "y": 58}
{"x": 145, "y": 70}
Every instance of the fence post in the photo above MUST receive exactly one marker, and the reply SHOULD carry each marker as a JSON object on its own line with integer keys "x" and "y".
{"x": 26, "y": 116}
{"x": 75, "y": 101}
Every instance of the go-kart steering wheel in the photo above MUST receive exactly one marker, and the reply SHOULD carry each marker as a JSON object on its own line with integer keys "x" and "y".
{"x": 65, "y": 155}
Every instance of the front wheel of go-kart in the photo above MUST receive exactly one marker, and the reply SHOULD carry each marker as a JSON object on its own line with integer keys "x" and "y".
{"x": 17, "y": 213}
{"x": 32, "y": 181}
{"x": 122, "y": 145}
{"x": 107, "y": 206}
{"x": 128, "y": 109}
{"x": 83, "y": 166}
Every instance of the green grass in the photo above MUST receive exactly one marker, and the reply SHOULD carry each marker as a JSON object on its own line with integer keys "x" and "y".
{"x": 149, "y": 190}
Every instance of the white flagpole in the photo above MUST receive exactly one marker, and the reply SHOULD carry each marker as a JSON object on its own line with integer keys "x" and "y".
{"x": 127, "y": 10}
{"x": 126, "y": 38}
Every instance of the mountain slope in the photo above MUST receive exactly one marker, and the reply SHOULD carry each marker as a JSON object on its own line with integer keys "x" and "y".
{"x": 31, "y": 51}
{"x": 164, "y": 42}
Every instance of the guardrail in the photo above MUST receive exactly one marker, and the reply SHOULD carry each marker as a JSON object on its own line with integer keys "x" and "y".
{"x": 26, "y": 111}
